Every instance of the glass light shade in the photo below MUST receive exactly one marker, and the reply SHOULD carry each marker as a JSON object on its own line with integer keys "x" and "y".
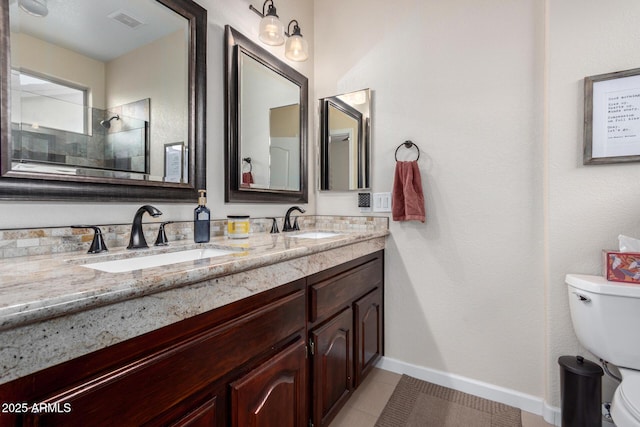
{"x": 296, "y": 48}
{"x": 34, "y": 7}
{"x": 271, "y": 31}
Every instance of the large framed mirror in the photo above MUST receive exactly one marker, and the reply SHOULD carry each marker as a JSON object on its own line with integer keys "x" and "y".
{"x": 266, "y": 125}
{"x": 345, "y": 141}
{"x": 102, "y": 100}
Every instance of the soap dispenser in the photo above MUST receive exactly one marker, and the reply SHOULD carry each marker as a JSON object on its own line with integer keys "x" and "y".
{"x": 201, "y": 220}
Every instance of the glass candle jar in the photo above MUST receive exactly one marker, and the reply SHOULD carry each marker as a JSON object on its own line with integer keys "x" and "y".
{"x": 238, "y": 226}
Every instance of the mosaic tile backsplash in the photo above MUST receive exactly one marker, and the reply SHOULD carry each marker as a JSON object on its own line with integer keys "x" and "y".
{"x": 54, "y": 240}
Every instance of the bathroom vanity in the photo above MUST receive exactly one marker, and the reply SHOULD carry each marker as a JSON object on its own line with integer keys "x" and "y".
{"x": 279, "y": 332}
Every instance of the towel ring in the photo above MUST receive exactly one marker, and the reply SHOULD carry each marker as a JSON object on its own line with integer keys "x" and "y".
{"x": 408, "y": 144}
{"x": 248, "y": 160}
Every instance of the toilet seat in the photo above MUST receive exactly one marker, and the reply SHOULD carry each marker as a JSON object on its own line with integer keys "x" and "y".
{"x": 625, "y": 408}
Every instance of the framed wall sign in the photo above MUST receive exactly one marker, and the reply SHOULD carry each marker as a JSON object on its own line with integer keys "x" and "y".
{"x": 174, "y": 162}
{"x": 612, "y": 118}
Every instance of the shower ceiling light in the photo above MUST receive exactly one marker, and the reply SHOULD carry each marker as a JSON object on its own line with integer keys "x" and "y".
{"x": 34, "y": 7}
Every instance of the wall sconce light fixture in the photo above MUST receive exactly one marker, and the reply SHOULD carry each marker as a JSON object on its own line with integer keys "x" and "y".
{"x": 271, "y": 29}
{"x": 296, "y": 48}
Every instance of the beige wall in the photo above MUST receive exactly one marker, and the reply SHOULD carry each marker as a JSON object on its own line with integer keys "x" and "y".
{"x": 492, "y": 94}
{"x": 45, "y": 58}
{"x": 463, "y": 80}
{"x": 588, "y": 206}
{"x": 158, "y": 71}
{"x": 285, "y": 121}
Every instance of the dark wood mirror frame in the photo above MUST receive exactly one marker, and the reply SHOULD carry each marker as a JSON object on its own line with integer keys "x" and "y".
{"x": 24, "y": 186}
{"x": 234, "y": 193}
{"x": 363, "y": 142}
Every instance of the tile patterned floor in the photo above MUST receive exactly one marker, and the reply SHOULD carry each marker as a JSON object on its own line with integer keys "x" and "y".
{"x": 368, "y": 401}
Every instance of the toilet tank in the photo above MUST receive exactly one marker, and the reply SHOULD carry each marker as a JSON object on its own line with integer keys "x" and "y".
{"x": 606, "y": 318}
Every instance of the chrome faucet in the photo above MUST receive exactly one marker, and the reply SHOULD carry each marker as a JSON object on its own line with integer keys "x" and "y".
{"x": 287, "y": 219}
{"x": 137, "y": 240}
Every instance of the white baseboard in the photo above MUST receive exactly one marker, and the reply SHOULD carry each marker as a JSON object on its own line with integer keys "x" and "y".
{"x": 524, "y": 402}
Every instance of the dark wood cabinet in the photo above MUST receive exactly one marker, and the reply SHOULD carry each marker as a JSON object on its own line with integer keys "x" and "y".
{"x": 332, "y": 345}
{"x": 274, "y": 393}
{"x": 368, "y": 333}
{"x": 287, "y": 357}
{"x": 178, "y": 375}
{"x": 345, "y": 331}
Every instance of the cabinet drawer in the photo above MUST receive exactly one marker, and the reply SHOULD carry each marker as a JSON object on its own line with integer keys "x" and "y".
{"x": 135, "y": 393}
{"x": 331, "y": 294}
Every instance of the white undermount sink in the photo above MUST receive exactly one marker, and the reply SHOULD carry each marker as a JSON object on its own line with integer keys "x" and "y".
{"x": 315, "y": 235}
{"x": 158, "y": 260}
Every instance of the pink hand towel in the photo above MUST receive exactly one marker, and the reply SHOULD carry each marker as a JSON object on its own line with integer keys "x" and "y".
{"x": 408, "y": 200}
{"x": 247, "y": 179}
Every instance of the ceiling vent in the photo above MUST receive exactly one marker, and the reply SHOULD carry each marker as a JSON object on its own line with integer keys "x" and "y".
{"x": 125, "y": 18}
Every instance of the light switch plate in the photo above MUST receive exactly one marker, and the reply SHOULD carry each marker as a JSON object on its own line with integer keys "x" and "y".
{"x": 382, "y": 202}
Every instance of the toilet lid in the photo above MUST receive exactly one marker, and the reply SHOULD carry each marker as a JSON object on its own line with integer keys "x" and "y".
{"x": 630, "y": 394}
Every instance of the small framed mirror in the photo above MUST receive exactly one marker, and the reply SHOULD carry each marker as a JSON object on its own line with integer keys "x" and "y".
{"x": 266, "y": 125}
{"x": 345, "y": 141}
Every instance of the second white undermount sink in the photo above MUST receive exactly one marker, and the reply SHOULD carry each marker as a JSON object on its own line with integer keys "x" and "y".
{"x": 158, "y": 260}
{"x": 315, "y": 235}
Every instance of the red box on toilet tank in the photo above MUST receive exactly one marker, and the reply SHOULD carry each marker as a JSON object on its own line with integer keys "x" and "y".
{"x": 622, "y": 266}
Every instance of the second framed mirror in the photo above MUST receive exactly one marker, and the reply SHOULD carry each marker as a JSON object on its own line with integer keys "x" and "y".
{"x": 266, "y": 126}
{"x": 345, "y": 141}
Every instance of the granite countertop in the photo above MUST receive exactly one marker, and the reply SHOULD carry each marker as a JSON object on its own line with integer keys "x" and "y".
{"x": 36, "y": 288}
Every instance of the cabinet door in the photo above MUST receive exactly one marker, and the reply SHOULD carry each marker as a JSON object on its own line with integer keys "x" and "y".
{"x": 273, "y": 394}
{"x": 332, "y": 366}
{"x": 368, "y": 333}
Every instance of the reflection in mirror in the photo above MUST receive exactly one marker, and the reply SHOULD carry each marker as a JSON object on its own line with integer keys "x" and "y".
{"x": 68, "y": 124}
{"x": 98, "y": 90}
{"x": 345, "y": 146}
{"x": 266, "y": 126}
{"x": 43, "y": 101}
{"x": 270, "y": 130}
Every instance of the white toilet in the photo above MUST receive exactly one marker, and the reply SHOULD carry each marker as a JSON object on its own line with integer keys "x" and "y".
{"x": 606, "y": 319}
